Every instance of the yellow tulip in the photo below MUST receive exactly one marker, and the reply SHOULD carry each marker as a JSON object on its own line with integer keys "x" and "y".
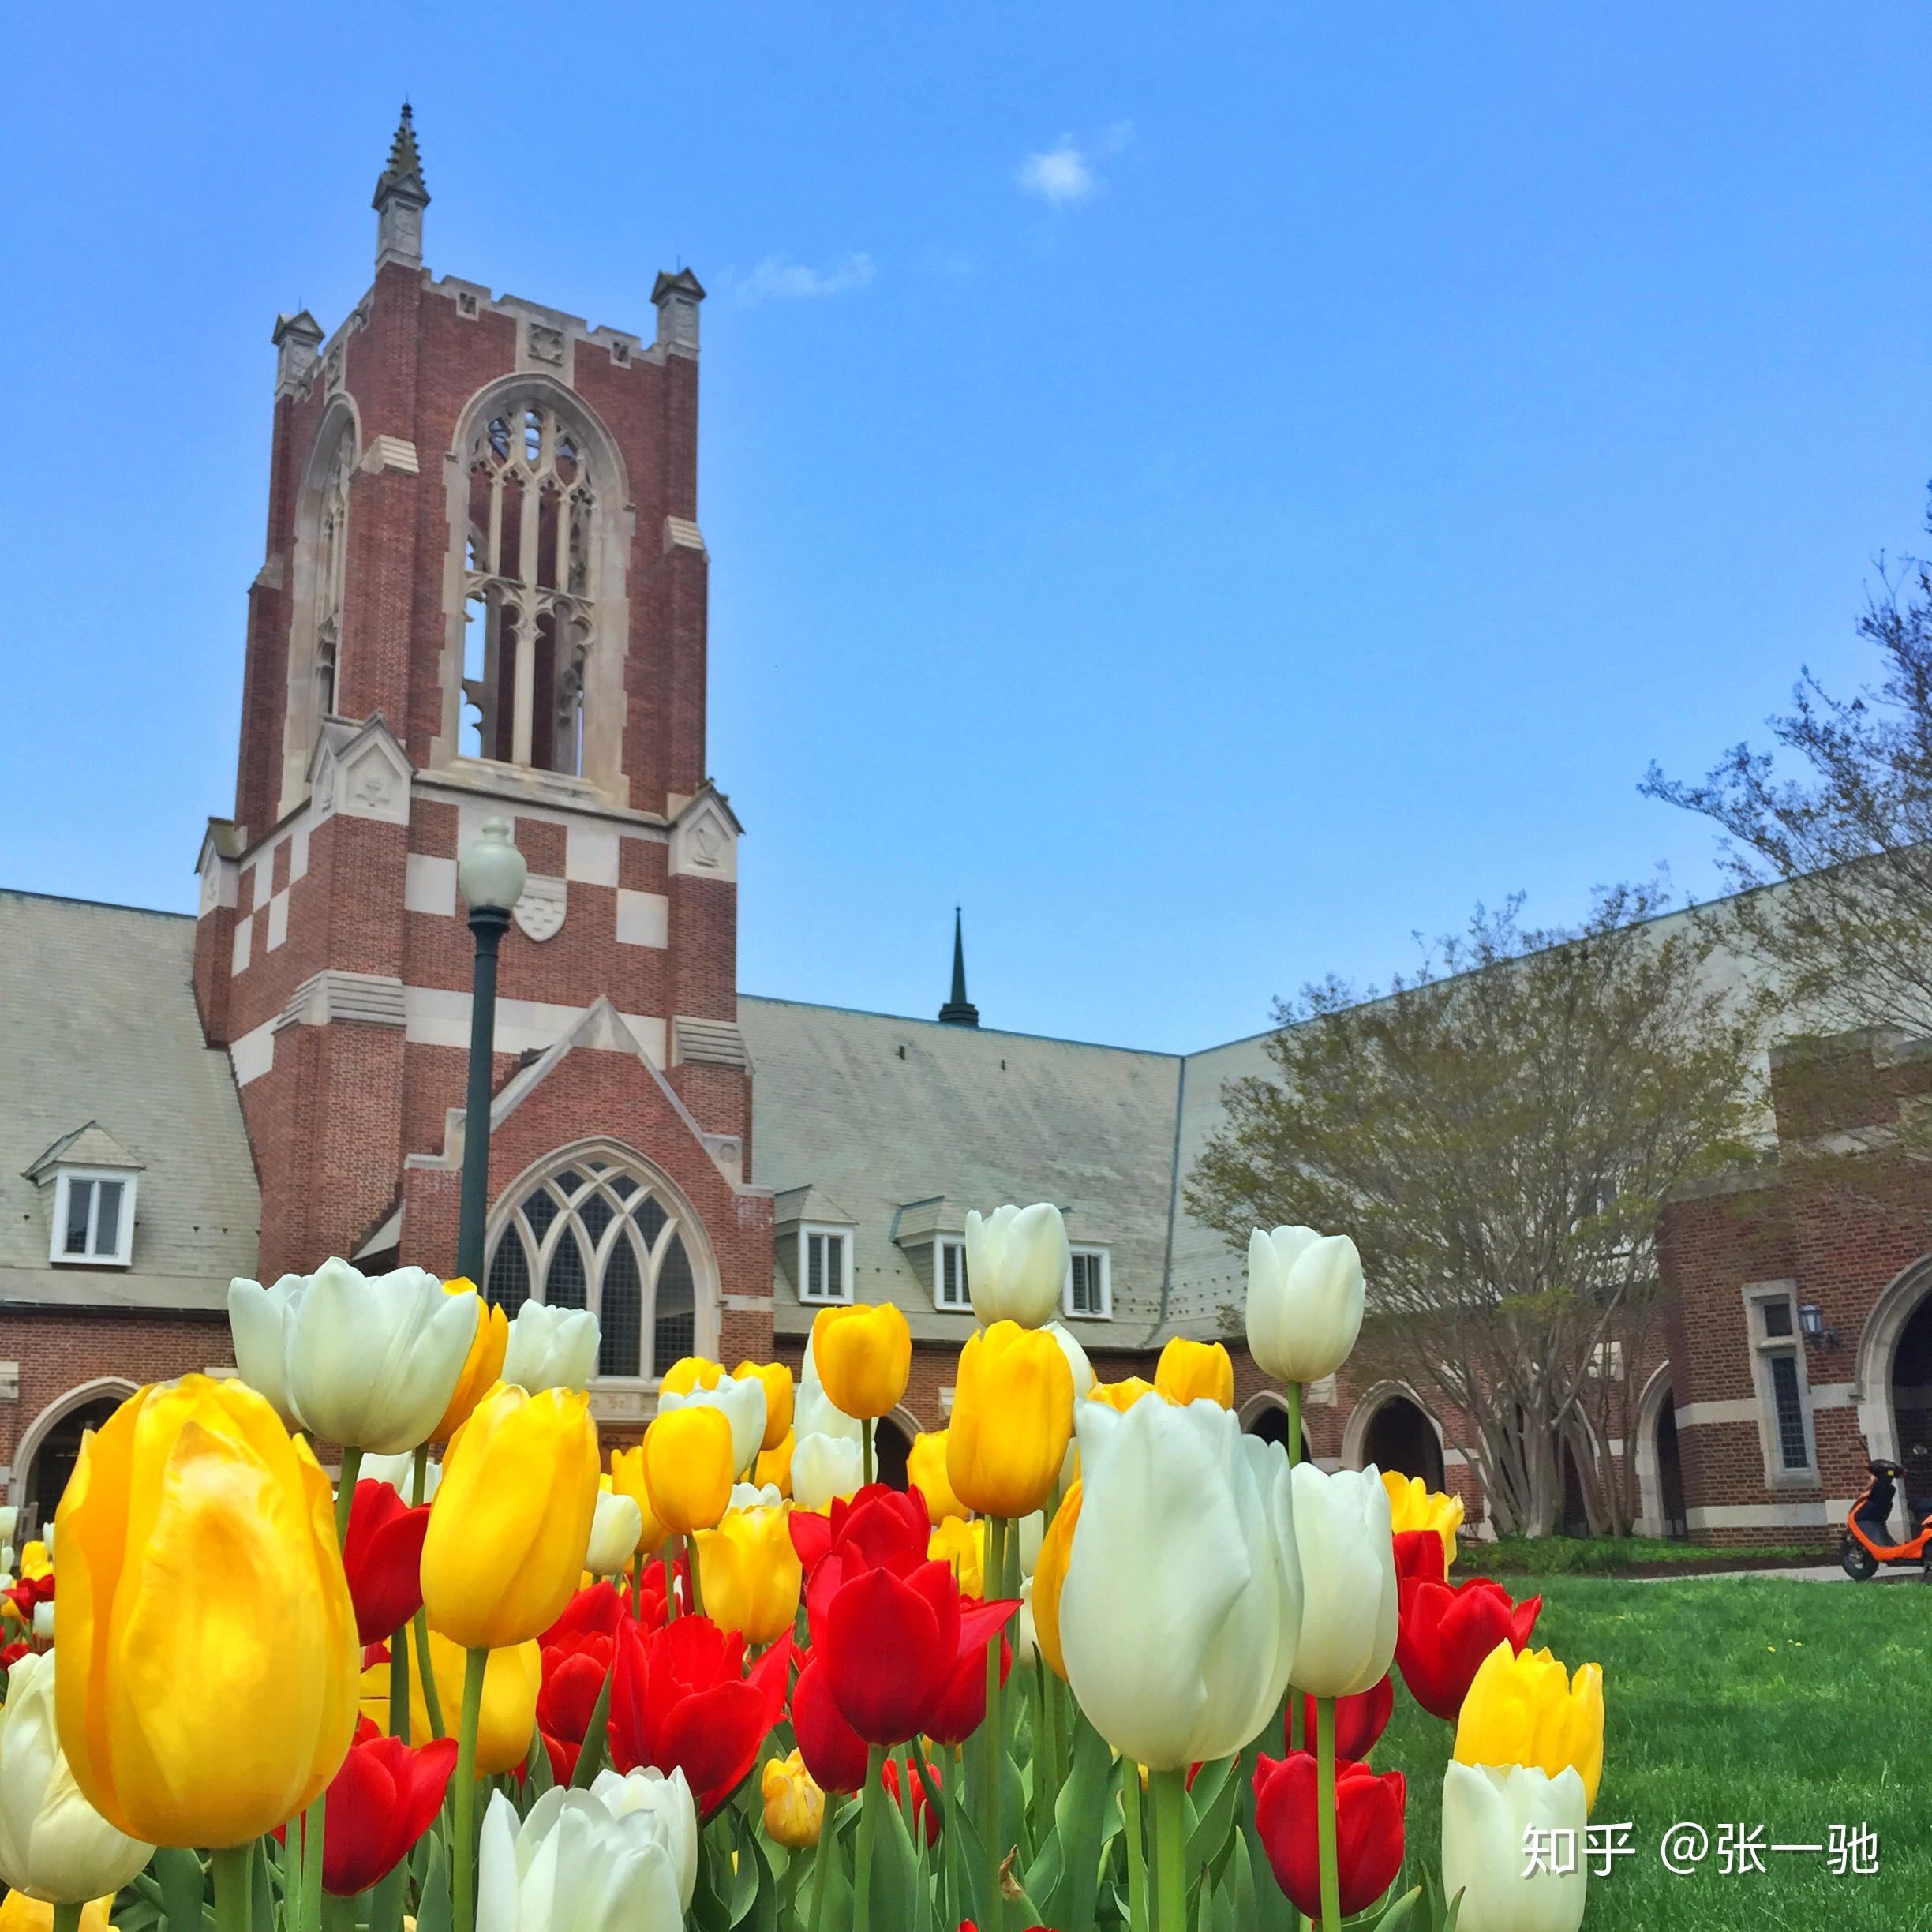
{"x": 1412, "y": 1505}
{"x": 962, "y": 1544}
{"x": 774, "y": 1466}
{"x": 864, "y": 1355}
{"x": 1049, "y": 1573}
{"x": 1529, "y": 1711}
{"x": 1122, "y": 1394}
{"x": 694, "y": 1371}
{"x": 19, "y": 1913}
{"x": 749, "y": 1573}
{"x": 482, "y": 1367}
{"x": 925, "y": 1469}
{"x": 511, "y": 1679}
{"x": 794, "y": 1806}
{"x": 207, "y": 1685}
{"x": 34, "y": 1559}
{"x": 510, "y": 1522}
{"x": 687, "y": 1465}
{"x": 1013, "y": 1415}
{"x": 778, "y": 1398}
{"x": 1196, "y": 1372}
{"x": 626, "y": 1478}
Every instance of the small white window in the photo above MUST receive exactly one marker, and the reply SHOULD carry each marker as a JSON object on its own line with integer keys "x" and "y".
{"x": 825, "y": 1264}
{"x": 93, "y": 1219}
{"x": 1089, "y": 1290}
{"x": 949, "y": 1287}
{"x": 1784, "y": 1391}
{"x": 1607, "y": 1361}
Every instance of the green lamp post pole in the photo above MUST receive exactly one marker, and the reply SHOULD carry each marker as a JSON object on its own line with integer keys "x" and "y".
{"x": 490, "y": 876}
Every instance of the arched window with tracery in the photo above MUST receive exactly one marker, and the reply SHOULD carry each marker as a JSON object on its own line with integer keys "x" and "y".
{"x": 597, "y": 1233}
{"x": 529, "y": 612}
{"x": 319, "y": 590}
{"x": 331, "y": 575}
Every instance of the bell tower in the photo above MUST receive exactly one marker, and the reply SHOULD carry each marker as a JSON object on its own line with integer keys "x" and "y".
{"x": 483, "y": 595}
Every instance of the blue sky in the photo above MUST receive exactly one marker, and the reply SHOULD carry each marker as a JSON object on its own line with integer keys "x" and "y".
{"x": 1214, "y": 489}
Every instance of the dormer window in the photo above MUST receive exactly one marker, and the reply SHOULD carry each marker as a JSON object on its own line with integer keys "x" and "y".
{"x": 950, "y": 1291}
{"x": 1088, "y": 1295}
{"x": 93, "y": 1218}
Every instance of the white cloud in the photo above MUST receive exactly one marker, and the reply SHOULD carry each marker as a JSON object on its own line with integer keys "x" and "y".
{"x": 779, "y": 278}
{"x": 1062, "y": 176}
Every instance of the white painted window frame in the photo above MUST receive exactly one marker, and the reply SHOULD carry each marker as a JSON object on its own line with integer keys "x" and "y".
{"x": 941, "y": 1244}
{"x": 843, "y": 1236}
{"x": 1104, "y": 1312}
{"x": 1757, "y": 1295}
{"x": 64, "y": 1180}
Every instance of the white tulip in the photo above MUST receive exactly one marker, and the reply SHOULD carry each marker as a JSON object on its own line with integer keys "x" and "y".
{"x": 1304, "y": 1302}
{"x": 616, "y": 1529}
{"x": 1182, "y": 1598}
{"x": 1487, "y": 1813}
{"x": 53, "y": 1845}
{"x": 754, "y": 1495}
{"x": 1083, "y": 1369}
{"x": 1032, "y": 1534}
{"x": 669, "y": 1798}
{"x": 571, "y": 1866}
{"x": 1348, "y": 1568}
{"x": 1025, "y": 1636}
{"x": 43, "y": 1620}
{"x": 1016, "y": 1262}
{"x": 258, "y": 1323}
{"x": 551, "y": 1348}
{"x": 369, "y": 1361}
{"x": 9, "y": 1521}
{"x": 399, "y": 1473}
{"x": 813, "y": 1413}
{"x": 823, "y": 1467}
{"x": 7, "y": 1559}
{"x": 742, "y": 1404}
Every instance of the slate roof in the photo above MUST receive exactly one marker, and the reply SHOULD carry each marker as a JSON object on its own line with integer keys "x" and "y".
{"x": 99, "y": 1032}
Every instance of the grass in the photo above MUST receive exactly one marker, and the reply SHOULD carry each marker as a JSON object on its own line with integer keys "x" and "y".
{"x": 1737, "y": 1700}
{"x": 1519, "y": 1556}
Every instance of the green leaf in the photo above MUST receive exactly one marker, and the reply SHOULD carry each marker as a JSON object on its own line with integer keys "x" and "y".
{"x": 178, "y": 1873}
{"x": 1217, "y": 1793}
{"x": 1401, "y": 1912}
{"x": 895, "y": 1870}
{"x": 1065, "y": 1877}
{"x": 261, "y": 1884}
{"x": 434, "y": 1912}
{"x": 755, "y": 1908}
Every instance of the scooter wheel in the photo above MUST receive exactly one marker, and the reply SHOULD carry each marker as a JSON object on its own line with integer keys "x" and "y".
{"x": 1858, "y": 1564}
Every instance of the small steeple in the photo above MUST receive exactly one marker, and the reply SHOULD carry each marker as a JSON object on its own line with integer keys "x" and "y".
{"x": 401, "y": 198}
{"x": 959, "y": 1010}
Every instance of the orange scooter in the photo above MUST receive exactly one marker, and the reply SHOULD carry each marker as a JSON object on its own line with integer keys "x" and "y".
{"x": 1868, "y": 1531}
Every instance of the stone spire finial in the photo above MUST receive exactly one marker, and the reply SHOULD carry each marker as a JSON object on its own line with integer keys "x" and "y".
{"x": 401, "y": 198}
{"x": 959, "y": 1010}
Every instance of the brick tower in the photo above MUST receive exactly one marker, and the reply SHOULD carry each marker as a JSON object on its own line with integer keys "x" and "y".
{"x": 484, "y": 595}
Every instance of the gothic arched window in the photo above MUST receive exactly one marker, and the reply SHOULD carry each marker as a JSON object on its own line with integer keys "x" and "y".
{"x": 597, "y": 1234}
{"x": 530, "y": 614}
{"x": 331, "y": 575}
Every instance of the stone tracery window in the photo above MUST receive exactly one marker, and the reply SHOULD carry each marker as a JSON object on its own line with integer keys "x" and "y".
{"x": 595, "y": 1234}
{"x": 530, "y": 618}
{"x": 331, "y": 576}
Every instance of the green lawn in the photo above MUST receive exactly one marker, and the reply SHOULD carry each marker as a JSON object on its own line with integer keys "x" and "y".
{"x": 1738, "y": 1700}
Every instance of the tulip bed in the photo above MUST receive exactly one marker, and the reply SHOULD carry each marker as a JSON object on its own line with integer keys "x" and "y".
{"x": 1109, "y": 1662}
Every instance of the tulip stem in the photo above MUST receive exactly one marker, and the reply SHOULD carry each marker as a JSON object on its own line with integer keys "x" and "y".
{"x": 870, "y": 1799}
{"x": 1136, "y": 1845}
{"x": 464, "y": 1849}
{"x": 697, "y": 1589}
{"x": 345, "y": 1492}
{"x": 1325, "y": 1813}
{"x": 432, "y": 1698}
{"x": 399, "y": 1685}
{"x": 993, "y": 1734}
{"x": 865, "y": 1440}
{"x": 822, "y": 1857}
{"x": 1295, "y": 1424}
{"x": 233, "y": 1873}
{"x": 67, "y": 1917}
{"x": 314, "y": 1832}
{"x": 670, "y": 1570}
{"x": 1167, "y": 1790}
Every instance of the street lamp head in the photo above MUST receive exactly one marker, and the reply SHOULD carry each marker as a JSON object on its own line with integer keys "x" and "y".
{"x": 491, "y": 872}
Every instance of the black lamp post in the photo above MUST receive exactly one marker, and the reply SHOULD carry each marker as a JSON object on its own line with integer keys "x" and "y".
{"x": 490, "y": 876}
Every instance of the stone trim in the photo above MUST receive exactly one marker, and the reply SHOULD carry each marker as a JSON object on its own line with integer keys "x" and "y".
{"x": 708, "y": 1043}
{"x": 368, "y": 999}
{"x": 388, "y": 452}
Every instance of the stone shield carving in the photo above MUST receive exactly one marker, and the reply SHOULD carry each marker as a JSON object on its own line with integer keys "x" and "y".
{"x": 539, "y": 914}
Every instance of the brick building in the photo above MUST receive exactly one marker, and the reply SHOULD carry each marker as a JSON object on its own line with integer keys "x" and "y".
{"x": 483, "y": 594}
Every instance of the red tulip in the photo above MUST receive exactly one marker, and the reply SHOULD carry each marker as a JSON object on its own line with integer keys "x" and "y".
{"x": 381, "y": 1555}
{"x": 922, "y": 1812}
{"x": 876, "y": 1524}
{"x": 681, "y": 1700}
{"x": 12, "y": 1654}
{"x": 834, "y": 1753}
{"x": 1359, "y": 1719}
{"x": 961, "y": 1709}
{"x": 1445, "y": 1633}
{"x": 1369, "y": 1829}
{"x": 1419, "y": 1553}
{"x": 382, "y": 1800}
{"x": 579, "y": 1652}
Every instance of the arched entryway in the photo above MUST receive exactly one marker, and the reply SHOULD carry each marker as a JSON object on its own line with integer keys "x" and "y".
{"x": 1392, "y": 1430}
{"x": 1891, "y": 1376}
{"x": 1911, "y": 1383}
{"x": 1661, "y": 1509}
{"x": 1265, "y": 1415}
{"x": 52, "y": 1445}
{"x": 891, "y": 1443}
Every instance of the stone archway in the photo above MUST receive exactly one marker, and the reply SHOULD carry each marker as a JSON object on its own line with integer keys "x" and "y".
{"x": 1881, "y": 1345}
{"x": 891, "y": 1444}
{"x": 51, "y": 1443}
{"x": 1391, "y": 1429}
{"x": 1660, "y": 1470}
{"x": 1265, "y": 1415}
